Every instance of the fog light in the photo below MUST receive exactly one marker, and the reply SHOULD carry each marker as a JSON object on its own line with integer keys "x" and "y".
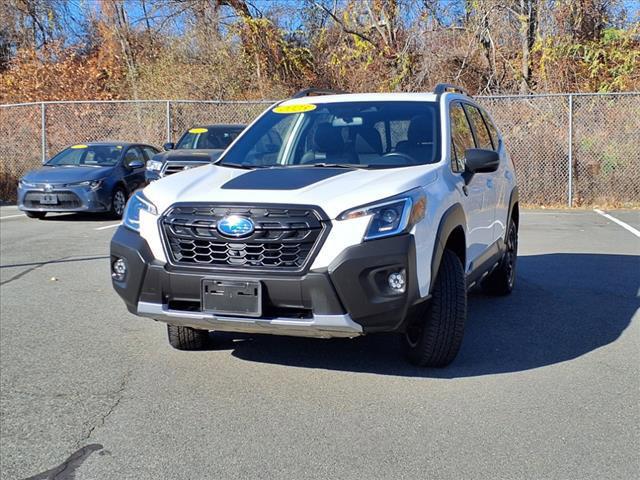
{"x": 119, "y": 270}
{"x": 397, "y": 281}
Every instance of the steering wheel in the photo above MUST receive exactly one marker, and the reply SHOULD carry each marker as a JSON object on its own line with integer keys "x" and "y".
{"x": 400, "y": 156}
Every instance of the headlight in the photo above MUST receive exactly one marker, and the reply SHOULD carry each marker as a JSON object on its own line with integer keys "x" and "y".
{"x": 23, "y": 184}
{"x": 392, "y": 216}
{"x": 131, "y": 217}
{"x": 92, "y": 184}
{"x": 154, "y": 165}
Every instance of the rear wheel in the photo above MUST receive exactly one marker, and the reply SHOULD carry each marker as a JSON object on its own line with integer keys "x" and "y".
{"x": 38, "y": 215}
{"x": 502, "y": 279}
{"x": 118, "y": 202}
{"x": 435, "y": 331}
{"x": 187, "y": 338}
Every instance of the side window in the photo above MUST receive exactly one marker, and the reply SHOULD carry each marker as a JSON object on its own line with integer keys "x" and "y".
{"x": 495, "y": 136}
{"x": 461, "y": 137}
{"x": 149, "y": 152}
{"x": 132, "y": 154}
{"x": 483, "y": 139}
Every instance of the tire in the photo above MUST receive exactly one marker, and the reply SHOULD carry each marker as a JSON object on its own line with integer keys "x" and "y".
{"x": 435, "y": 330}
{"x": 38, "y": 215}
{"x": 503, "y": 278}
{"x": 187, "y": 338}
{"x": 118, "y": 202}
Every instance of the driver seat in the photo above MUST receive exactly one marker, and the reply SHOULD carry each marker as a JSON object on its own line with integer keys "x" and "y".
{"x": 329, "y": 147}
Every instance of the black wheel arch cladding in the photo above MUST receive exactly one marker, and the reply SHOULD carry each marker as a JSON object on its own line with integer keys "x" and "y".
{"x": 452, "y": 219}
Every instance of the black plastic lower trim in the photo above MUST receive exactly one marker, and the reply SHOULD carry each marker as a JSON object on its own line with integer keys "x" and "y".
{"x": 355, "y": 283}
{"x": 360, "y": 275}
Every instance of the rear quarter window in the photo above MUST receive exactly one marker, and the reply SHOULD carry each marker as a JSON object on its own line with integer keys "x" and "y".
{"x": 493, "y": 131}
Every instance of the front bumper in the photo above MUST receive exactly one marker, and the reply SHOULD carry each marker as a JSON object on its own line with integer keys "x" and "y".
{"x": 70, "y": 199}
{"x": 348, "y": 299}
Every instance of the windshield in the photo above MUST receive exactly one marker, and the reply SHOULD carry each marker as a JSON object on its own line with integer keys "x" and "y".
{"x": 214, "y": 138}
{"x": 88, "y": 155}
{"x": 355, "y": 134}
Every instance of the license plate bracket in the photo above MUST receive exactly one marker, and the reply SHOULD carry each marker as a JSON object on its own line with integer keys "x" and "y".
{"x": 49, "y": 199}
{"x": 232, "y": 297}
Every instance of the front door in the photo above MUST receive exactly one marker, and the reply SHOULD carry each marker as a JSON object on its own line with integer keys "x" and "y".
{"x": 477, "y": 191}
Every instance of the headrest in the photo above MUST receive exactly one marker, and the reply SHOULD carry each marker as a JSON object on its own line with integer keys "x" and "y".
{"x": 328, "y": 139}
{"x": 368, "y": 140}
{"x": 421, "y": 129}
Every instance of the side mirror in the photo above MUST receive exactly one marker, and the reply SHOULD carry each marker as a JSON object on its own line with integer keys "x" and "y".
{"x": 479, "y": 160}
{"x": 135, "y": 164}
{"x": 169, "y": 146}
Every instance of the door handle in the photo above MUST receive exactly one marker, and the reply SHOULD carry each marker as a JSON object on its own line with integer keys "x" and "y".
{"x": 508, "y": 174}
{"x": 490, "y": 183}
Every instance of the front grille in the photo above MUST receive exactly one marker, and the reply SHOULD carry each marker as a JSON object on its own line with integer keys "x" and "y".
{"x": 175, "y": 167}
{"x": 285, "y": 238}
{"x": 65, "y": 200}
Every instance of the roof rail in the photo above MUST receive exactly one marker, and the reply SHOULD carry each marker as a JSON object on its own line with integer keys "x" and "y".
{"x": 312, "y": 92}
{"x": 446, "y": 87}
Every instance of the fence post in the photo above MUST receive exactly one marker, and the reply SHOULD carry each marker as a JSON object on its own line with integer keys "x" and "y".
{"x": 43, "y": 130}
{"x": 570, "y": 200}
{"x": 168, "y": 120}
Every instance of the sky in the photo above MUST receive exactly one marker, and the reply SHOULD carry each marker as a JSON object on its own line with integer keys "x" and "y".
{"x": 79, "y": 8}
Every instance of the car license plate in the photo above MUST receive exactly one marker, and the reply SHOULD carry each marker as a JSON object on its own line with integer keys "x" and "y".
{"x": 49, "y": 199}
{"x": 232, "y": 297}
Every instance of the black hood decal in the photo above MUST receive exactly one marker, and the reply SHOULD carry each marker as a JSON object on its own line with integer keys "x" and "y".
{"x": 282, "y": 178}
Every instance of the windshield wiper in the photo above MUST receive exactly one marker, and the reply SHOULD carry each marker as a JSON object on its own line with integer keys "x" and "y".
{"x": 235, "y": 165}
{"x": 330, "y": 165}
{"x": 305, "y": 165}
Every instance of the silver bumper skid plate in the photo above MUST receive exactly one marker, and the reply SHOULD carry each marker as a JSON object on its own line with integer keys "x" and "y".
{"x": 320, "y": 326}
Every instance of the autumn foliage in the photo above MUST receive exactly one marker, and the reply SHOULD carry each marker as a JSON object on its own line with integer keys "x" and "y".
{"x": 233, "y": 49}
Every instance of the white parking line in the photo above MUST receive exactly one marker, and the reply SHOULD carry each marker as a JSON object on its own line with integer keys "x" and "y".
{"x": 13, "y": 216}
{"x": 619, "y": 222}
{"x": 108, "y": 226}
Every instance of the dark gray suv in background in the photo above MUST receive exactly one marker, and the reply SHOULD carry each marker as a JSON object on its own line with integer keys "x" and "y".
{"x": 197, "y": 146}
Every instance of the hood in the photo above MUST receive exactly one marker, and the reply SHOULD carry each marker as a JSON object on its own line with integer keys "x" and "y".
{"x": 67, "y": 174}
{"x": 186, "y": 155}
{"x": 332, "y": 189}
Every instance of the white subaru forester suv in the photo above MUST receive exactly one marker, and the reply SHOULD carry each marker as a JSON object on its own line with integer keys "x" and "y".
{"x": 331, "y": 215}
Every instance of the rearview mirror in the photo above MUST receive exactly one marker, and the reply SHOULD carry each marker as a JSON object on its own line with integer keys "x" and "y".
{"x": 169, "y": 146}
{"x": 479, "y": 160}
{"x": 135, "y": 164}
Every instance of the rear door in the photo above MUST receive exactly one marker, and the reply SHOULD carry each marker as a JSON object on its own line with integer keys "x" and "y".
{"x": 478, "y": 210}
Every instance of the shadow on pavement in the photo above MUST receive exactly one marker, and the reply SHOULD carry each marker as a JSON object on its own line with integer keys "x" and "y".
{"x": 563, "y": 306}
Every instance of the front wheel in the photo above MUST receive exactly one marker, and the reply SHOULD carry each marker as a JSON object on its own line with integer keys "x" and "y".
{"x": 38, "y": 215}
{"x": 503, "y": 278}
{"x": 434, "y": 333}
{"x": 118, "y": 202}
{"x": 187, "y": 338}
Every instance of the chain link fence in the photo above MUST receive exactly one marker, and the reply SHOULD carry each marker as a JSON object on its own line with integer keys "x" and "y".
{"x": 570, "y": 150}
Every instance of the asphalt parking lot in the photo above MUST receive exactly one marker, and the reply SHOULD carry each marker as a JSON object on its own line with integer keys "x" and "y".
{"x": 546, "y": 384}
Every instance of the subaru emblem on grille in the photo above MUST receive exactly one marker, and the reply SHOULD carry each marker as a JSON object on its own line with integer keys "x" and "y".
{"x": 235, "y": 226}
{"x": 48, "y": 187}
